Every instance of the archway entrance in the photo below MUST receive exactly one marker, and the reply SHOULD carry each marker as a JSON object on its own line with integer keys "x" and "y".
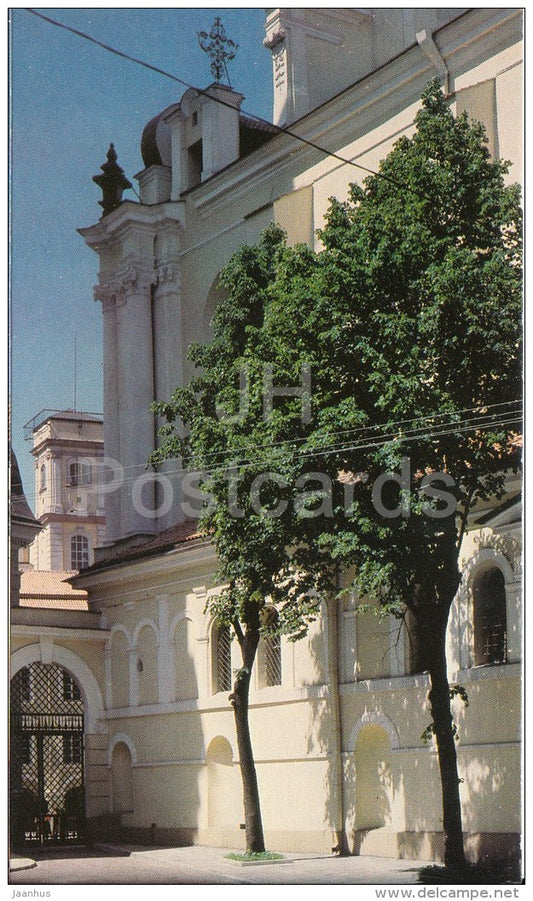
{"x": 47, "y": 792}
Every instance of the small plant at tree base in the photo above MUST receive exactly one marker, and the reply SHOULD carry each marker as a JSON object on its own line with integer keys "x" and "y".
{"x": 254, "y": 855}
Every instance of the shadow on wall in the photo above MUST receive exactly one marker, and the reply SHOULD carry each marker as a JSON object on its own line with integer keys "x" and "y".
{"x": 391, "y": 790}
{"x": 157, "y": 769}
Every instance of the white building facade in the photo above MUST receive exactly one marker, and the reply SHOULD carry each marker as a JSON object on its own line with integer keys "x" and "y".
{"x": 68, "y": 451}
{"x": 336, "y": 726}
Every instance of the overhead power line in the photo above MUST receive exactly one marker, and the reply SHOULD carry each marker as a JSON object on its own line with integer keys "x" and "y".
{"x": 501, "y": 420}
{"x": 372, "y": 442}
{"x": 280, "y": 129}
{"x": 398, "y": 428}
{"x": 363, "y": 444}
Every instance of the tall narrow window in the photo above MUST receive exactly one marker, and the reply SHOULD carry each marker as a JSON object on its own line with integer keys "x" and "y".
{"x": 272, "y": 660}
{"x": 79, "y": 552}
{"x": 43, "y": 477}
{"x": 223, "y": 659}
{"x": 490, "y": 617}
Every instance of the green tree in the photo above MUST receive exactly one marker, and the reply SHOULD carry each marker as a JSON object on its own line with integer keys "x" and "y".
{"x": 409, "y": 321}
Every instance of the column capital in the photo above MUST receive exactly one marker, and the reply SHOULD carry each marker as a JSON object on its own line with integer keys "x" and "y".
{"x": 110, "y": 294}
{"x": 131, "y": 280}
{"x": 137, "y": 280}
{"x": 169, "y": 276}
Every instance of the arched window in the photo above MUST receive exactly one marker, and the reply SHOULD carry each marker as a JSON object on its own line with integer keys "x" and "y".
{"x": 490, "y": 616}
{"x": 79, "y": 552}
{"x": 43, "y": 477}
{"x": 222, "y": 659}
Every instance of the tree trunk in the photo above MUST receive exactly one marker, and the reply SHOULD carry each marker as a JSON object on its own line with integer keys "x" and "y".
{"x": 239, "y": 699}
{"x": 439, "y": 697}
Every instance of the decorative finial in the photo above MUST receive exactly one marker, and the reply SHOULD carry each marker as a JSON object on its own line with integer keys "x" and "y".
{"x": 112, "y": 183}
{"x": 219, "y": 48}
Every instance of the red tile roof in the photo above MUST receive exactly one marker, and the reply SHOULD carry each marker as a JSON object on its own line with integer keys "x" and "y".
{"x": 48, "y": 589}
{"x": 164, "y": 541}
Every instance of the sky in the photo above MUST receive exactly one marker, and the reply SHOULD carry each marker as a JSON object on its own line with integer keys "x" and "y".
{"x": 69, "y": 99}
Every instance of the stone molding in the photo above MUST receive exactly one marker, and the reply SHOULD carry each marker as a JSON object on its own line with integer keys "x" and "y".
{"x": 168, "y": 276}
{"x": 275, "y": 38}
{"x": 374, "y": 718}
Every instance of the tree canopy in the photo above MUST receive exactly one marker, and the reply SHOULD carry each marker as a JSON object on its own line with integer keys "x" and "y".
{"x": 409, "y": 321}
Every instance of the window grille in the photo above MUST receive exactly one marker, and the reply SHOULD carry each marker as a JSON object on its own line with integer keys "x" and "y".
{"x": 223, "y": 658}
{"x": 46, "y": 757}
{"x": 72, "y": 748}
{"x": 273, "y": 660}
{"x": 25, "y": 748}
{"x": 23, "y": 684}
{"x": 79, "y": 552}
{"x": 71, "y": 691}
{"x": 490, "y": 617}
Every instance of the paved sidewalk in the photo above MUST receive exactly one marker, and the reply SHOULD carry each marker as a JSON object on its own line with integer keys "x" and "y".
{"x": 141, "y": 865}
{"x": 21, "y": 863}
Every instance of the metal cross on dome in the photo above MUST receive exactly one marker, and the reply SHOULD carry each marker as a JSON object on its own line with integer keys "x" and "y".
{"x": 220, "y": 48}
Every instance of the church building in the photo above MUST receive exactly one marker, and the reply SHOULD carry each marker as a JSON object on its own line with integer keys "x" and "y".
{"x": 143, "y": 674}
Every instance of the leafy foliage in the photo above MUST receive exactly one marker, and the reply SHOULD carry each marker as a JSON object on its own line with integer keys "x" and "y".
{"x": 410, "y": 320}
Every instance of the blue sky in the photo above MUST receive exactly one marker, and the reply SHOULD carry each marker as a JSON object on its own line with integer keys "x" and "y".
{"x": 69, "y": 100}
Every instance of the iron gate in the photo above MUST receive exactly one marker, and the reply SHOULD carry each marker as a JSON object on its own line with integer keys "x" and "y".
{"x": 46, "y": 768}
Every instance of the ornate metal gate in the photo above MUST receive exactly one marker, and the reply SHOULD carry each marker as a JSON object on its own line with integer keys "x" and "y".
{"x": 46, "y": 767}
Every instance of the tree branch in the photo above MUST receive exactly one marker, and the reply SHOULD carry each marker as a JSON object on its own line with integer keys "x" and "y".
{"x": 238, "y": 632}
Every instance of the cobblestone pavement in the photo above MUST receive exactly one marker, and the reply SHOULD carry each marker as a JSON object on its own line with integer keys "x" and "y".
{"x": 134, "y": 865}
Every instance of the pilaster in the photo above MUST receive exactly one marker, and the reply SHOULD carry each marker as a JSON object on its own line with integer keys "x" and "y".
{"x": 110, "y": 296}
{"x": 220, "y": 129}
{"x": 165, "y": 674}
{"x": 134, "y": 677}
{"x": 179, "y": 181}
{"x": 56, "y": 480}
{"x": 276, "y": 41}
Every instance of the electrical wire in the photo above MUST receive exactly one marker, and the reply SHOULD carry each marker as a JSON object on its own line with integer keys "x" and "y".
{"x": 174, "y": 475}
{"x": 364, "y": 444}
{"x": 278, "y": 128}
{"x": 394, "y": 425}
{"x": 466, "y": 423}
{"x": 462, "y": 426}
{"x": 389, "y": 425}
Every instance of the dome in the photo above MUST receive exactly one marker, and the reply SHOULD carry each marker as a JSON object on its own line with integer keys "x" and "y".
{"x": 155, "y": 141}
